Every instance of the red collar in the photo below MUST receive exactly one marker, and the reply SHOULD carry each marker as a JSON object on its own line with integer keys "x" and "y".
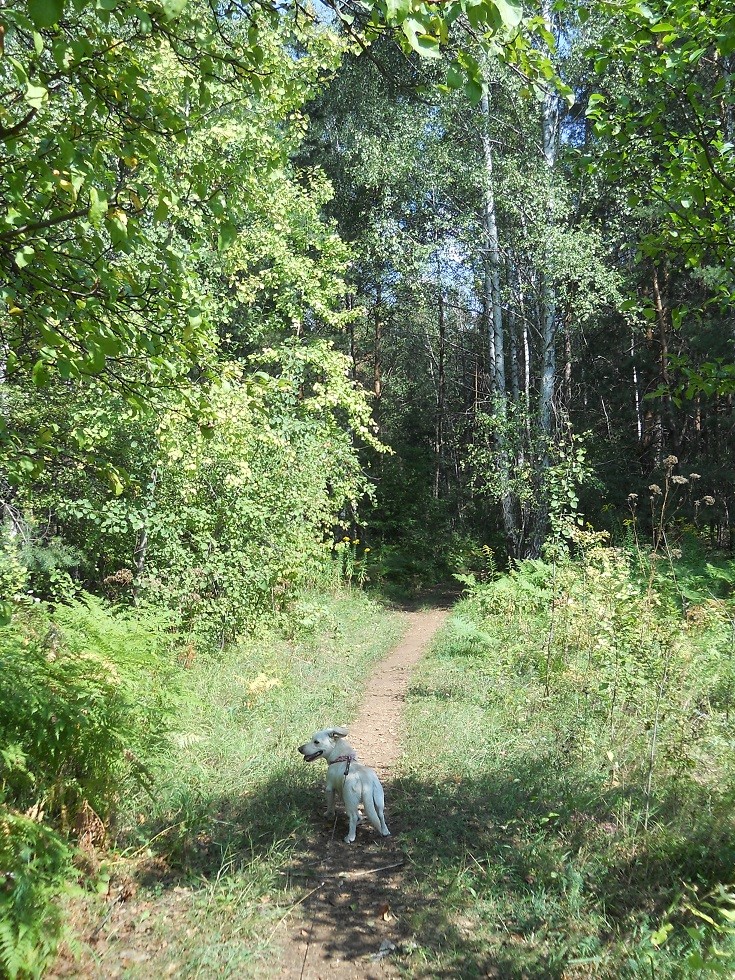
{"x": 342, "y": 758}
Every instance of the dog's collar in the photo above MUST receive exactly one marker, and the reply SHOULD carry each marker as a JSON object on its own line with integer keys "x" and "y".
{"x": 349, "y": 759}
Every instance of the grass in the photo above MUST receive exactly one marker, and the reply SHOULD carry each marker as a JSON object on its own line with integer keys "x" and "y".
{"x": 196, "y": 887}
{"x": 565, "y": 800}
{"x": 542, "y": 842}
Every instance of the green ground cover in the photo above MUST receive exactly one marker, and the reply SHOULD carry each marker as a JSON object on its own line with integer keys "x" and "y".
{"x": 567, "y": 789}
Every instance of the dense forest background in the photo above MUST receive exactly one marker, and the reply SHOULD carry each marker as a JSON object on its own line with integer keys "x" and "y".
{"x": 382, "y": 293}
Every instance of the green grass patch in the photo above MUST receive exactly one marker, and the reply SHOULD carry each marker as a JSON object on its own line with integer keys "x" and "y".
{"x": 567, "y": 789}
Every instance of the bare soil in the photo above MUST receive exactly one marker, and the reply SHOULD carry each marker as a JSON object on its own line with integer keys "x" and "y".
{"x": 351, "y": 923}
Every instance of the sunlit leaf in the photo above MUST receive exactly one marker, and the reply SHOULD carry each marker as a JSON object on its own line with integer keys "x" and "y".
{"x": 511, "y": 12}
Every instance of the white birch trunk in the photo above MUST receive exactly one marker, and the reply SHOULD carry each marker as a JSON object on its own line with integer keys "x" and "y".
{"x": 549, "y": 142}
{"x": 493, "y": 304}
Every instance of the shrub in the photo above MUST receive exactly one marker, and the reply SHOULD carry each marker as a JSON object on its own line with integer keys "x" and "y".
{"x": 79, "y": 691}
{"x": 81, "y": 697}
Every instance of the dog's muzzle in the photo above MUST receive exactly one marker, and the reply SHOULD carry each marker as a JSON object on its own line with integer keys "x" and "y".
{"x": 310, "y": 757}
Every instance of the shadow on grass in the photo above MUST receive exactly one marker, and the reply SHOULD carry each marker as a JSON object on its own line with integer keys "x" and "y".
{"x": 517, "y": 873}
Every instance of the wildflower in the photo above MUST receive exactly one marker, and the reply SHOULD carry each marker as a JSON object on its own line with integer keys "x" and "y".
{"x": 346, "y": 538}
{"x": 655, "y": 490}
{"x": 671, "y": 461}
{"x": 367, "y": 550}
{"x": 676, "y": 552}
{"x": 632, "y": 497}
{"x": 708, "y": 501}
{"x": 695, "y": 476}
{"x": 680, "y": 480}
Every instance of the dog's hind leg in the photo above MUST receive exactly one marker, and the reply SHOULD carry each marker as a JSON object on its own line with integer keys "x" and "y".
{"x": 351, "y": 833}
{"x": 351, "y": 800}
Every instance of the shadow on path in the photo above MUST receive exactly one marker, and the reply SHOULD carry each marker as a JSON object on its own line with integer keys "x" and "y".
{"x": 477, "y": 880}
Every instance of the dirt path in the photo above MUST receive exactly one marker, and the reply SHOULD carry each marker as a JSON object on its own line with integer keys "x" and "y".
{"x": 346, "y": 917}
{"x": 348, "y": 925}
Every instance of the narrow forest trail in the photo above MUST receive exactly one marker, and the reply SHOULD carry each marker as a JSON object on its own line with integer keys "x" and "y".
{"x": 336, "y": 904}
{"x": 349, "y": 922}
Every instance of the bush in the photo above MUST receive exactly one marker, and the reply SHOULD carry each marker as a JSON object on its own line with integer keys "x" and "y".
{"x": 81, "y": 698}
{"x": 593, "y": 815}
{"x": 79, "y": 692}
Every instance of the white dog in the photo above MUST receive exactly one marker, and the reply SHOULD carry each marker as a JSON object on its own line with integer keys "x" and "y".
{"x": 354, "y": 782}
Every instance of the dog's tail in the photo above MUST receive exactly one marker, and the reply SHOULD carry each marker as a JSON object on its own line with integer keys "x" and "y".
{"x": 374, "y": 804}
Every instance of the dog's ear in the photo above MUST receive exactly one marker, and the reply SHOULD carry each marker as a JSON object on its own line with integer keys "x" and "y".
{"x": 338, "y": 732}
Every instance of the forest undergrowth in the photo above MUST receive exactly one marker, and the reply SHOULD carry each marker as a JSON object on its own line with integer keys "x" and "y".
{"x": 170, "y": 782}
{"x": 565, "y": 798}
{"x": 571, "y": 737}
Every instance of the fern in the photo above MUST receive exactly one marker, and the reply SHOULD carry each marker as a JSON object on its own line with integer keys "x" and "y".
{"x": 465, "y": 637}
{"x": 35, "y": 862}
{"x": 81, "y": 693}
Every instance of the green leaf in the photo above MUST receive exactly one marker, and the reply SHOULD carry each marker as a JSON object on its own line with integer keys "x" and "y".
{"x": 473, "y": 90}
{"x": 511, "y": 12}
{"x": 24, "y": 256}
{"x": 424, "y": 44}
{"x": 114, "y": 481}
{"x": 97, "y": 207}
{"x": 41, "y": 374}
{"x": 398, "y": 10}
{"x": 455, "y": 77}
{"x": 226, "y": 236}
{"x": 173, "y": 8}
{"x": 45, "y": 13}
{"x": 117, "y": 226}
{"x": 161, "y": 212}
{"x": 36, "y": 95}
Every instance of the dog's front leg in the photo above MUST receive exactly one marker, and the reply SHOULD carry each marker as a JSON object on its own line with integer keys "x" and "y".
{"x": 330, "y": 802}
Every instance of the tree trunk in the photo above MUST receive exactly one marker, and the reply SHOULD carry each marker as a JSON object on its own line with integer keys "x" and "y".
{"x": 663, "y": 320}
{"x": 350, "y": 303}
{"x": 513, "y": 334}
{"x": 378, "y": 353}
{"x": 440, "y": 395}
{"x": 141, "y": 544}
{"x": 636, "y": 390}
{"x": 493, "y": 300}
{"x": 549, "y": 133}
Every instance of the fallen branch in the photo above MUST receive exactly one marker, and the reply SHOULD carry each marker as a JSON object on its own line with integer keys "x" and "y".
{"x": 290, "y": 909}
{"x": 342, "y": 874}
{"x": 372, "y": 871}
